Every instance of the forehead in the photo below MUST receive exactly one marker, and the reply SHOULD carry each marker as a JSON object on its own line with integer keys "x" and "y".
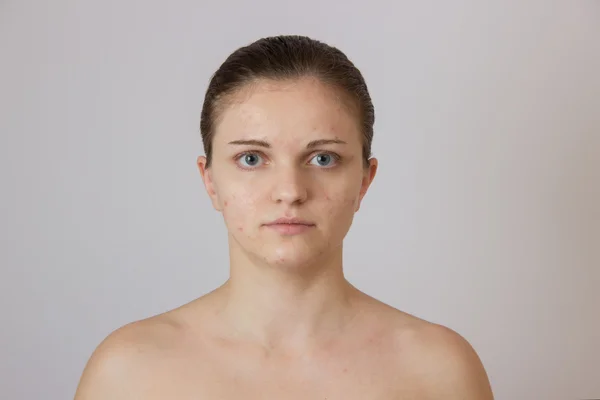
{"x": 288, "y": 111}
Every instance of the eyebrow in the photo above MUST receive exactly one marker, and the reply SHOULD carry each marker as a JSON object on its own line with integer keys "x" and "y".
{"x": 310, "y": 145}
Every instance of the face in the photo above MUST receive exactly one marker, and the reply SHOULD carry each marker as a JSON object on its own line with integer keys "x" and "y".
{"x": 287, "y": 150}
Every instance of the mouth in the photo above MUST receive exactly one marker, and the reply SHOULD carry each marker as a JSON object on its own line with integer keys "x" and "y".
{"x": 289, "y": 229}
{"x": 290, "y": 226}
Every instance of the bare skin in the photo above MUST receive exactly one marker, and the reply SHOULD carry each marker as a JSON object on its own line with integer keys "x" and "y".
{"x": 286, "y": 324}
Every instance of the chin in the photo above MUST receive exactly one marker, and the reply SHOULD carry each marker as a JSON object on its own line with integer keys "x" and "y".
{"x": 291, "y": 256}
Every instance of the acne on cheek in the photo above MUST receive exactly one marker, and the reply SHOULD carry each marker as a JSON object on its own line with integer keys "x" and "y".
{"x": 225, "y": 204}
{"x": 341, "y": 198}
{"x": 346, "y": 206}
{"x": 229, "y": 200}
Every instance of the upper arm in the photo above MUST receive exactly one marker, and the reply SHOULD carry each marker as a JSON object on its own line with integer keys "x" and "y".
{"x": 456, "y": 370}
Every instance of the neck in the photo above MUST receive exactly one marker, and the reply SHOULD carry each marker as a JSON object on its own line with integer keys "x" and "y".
{"x": 287, "y": 308}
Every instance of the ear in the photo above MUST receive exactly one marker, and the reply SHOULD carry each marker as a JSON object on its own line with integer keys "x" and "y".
{"x": 368, "y": 177}
{"x": 209, "y": 184}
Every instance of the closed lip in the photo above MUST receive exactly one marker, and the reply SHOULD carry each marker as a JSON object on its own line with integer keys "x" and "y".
{"x": 290, "y": 221}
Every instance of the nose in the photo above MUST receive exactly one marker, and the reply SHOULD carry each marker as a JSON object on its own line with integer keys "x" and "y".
{"x": 289, "y": 186}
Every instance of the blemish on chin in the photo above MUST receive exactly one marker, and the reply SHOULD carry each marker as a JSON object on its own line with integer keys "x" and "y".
{"x": 241, "y": 229}
{"x": 225, "y": 203}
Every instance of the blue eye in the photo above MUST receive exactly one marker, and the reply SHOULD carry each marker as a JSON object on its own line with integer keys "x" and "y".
{"x": 325, "y": 159}
{"x": 249, "y": 160}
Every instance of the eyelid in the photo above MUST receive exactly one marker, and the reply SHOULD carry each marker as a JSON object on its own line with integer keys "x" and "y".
{"x": 331, "y": 153}
{"x": 246, "y": 152}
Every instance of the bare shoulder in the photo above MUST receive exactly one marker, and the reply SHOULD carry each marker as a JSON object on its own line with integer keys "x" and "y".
{"x": 443, "y": 362}
{"x": 449, "y": 365}
{"x": 122, "y": 362}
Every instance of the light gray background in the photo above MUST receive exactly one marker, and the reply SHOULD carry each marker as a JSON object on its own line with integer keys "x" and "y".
{"x": 484, "y": 215}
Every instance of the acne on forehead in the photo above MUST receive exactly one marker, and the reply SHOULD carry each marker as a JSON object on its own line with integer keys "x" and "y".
{"x": 248, "y": 113}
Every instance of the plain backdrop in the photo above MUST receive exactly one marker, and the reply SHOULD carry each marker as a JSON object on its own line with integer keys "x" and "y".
{"x": 484, "y": 215}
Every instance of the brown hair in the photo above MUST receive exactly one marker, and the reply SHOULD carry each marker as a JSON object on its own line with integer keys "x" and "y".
{"x": 279, "y": 58}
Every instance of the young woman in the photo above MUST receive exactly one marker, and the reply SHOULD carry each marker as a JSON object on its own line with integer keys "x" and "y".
{"x": 287, "y": 125}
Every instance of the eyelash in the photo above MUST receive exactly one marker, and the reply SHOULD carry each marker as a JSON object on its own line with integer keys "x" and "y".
{"x": 335, "y": 156}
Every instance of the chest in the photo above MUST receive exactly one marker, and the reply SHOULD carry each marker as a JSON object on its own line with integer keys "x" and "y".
{"x": 248, "y": 379}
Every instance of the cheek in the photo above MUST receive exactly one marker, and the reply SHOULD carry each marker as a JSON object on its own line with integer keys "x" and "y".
{"x": 340, "y": 203}
{"x": 344, "y": 194}
{"x": 240, "y": 209}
